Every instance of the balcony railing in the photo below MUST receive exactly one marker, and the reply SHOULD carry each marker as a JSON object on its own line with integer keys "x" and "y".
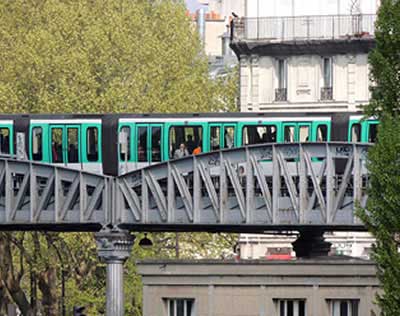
{"x": 281, "y": 94}
{"x": 318, "y": 27}
{"x": 326, "y": 93}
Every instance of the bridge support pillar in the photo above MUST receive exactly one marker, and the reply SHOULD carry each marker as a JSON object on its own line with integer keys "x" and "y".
{"x": 114, "y": 247}
{"x": 311, "y": 243}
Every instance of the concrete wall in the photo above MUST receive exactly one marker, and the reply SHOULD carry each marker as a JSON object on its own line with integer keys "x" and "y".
{"x": 253, "y": 288}
{"x": 258, "y": 81}
{"x": 213, "y": 41}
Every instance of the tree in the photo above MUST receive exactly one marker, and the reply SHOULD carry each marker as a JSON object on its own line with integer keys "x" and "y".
{"x": 85, "y": 56}
{"x": 382, "y": 211}
{"x": 102, "y": 56}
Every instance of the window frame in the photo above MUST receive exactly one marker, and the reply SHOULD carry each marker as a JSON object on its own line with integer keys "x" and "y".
{"x": 257, "y": 125}
{"x": 9, "y": 140}
{"x": 129, "y": 144}
{"x": 202, "y": 127}
{"x": 175, "y": 301}
{"x": 31, "y": 144}
{"x": 87, "y": 145}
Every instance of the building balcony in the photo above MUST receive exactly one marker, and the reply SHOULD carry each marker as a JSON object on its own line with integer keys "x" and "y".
{"x": 303, "y": 28}
{"x": 281, "y": 94}
{"x": 326, "y": 94}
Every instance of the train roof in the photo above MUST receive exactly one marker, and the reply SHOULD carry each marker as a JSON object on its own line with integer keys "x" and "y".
{"x": 172, "y": 115}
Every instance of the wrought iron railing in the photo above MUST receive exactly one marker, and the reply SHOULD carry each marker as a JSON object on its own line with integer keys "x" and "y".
{"x": 281, "y": 94}
{"x": 318, "y": 27}
{"x": 326, "y": 93}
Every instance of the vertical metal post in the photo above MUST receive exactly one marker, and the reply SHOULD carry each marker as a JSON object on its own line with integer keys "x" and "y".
{"x": 114, "y": 248}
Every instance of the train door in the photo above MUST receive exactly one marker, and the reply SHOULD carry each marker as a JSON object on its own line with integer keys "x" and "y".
{"x": 222, "y": 136}
{"x": 125, "y": 149}
{"x": 65, "y": 145}
{"x": 148, "y": 144}
{"x": 6, "y": 139}
{"x": 371, "y": 131}
{"x": 296, "y": 132}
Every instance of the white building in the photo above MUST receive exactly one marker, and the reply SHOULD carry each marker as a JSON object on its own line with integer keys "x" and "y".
{"x": 271, "y": 246}
{"x": 304, "y": 56}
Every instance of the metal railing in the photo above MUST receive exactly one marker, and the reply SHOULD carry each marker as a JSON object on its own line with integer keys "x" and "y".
{"x": 326, "y": 93}
{"x": 317, "y": 27}
{"x": 281, "y": 94}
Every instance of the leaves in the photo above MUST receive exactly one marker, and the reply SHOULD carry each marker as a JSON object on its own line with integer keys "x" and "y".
{"x": 80, "y": 56}
{"x": 381, "y": 215}
{"x": 102, "y": 56}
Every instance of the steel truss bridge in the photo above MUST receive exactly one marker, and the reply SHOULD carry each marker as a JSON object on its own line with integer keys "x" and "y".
{"x": 263, "y": 187}
{"x": 307, "y": 187}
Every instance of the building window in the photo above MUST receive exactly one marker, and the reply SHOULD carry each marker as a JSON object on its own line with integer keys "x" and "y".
{"x": 180, "y": 307}
{"x": 344, "y": 307}
{"x": 292, "y": 307}
{"x": 326, "y": 90}
{"x": 281, "y": 91}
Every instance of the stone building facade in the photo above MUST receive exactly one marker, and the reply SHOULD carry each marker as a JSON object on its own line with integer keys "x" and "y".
{"x": 304, "y": 56}
{"x": 327, "y": 286}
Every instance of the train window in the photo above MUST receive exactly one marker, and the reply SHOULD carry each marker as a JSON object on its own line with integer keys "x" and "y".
{"x": 73, "y": 146}
{"x": 356, "y": 132}
{"x": 92, "y": 143}
{"x": 304, "y": 133}
{"x": 229, "y": 136}
{"x": 215, "y": 138}
{"x": 37, "y": 139}
{"x": 155, "y": 143}
{"x": 124, "y": 143}
{"x": 372, "y": 132}
{"x": 322, "y": 133}
{"x": 289, "y": 133}
{"x": 5, "y": 140}
{"x": 258, "y": 134}
{"x": 142, "y": 143}
{"x": 56, "y": 145}
{"x": 184, "y": 139}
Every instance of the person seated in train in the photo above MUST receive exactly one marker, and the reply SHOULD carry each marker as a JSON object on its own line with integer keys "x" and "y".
{"x": 54, "y": 152}
{"x": 190, "y": 144}
{"x": 197, "y": 150}
{"x": 141, "y": 153}
{"x": 181, "y": 151}
{"x": 72, "y": 153}
{"x": 228, "y": 140}
{"x": 273, "y": 136}
{"x": 214, "y": 143}
{"x": 264, "y": 138}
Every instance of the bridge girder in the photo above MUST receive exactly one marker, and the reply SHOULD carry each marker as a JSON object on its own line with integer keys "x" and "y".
{"x": 255, "y": 188}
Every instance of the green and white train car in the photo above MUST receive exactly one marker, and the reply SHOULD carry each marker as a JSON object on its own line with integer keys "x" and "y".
{"x": 118, "y": 143}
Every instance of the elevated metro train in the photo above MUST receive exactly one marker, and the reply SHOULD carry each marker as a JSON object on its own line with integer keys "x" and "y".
{"x": 114, "y": 144}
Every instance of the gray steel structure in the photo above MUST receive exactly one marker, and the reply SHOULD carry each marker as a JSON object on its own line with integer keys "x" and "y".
{"x": 309, "y": 187}
{"x": 260, "y": 187}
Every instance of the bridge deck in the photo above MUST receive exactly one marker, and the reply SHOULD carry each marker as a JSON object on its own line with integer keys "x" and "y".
{"x": 258, "y": 188}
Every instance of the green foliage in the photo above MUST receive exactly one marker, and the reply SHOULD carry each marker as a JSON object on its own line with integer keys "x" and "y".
{"x": 99, "y": 56}
{"x": 382, "y": 217}
{"x": 102, "y": 56}
{"x": 382, "y": 211}
{"x": 385, "y": 62}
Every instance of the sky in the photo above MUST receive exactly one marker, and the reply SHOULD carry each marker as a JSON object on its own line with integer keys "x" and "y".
{"x": 192, "y": 5}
